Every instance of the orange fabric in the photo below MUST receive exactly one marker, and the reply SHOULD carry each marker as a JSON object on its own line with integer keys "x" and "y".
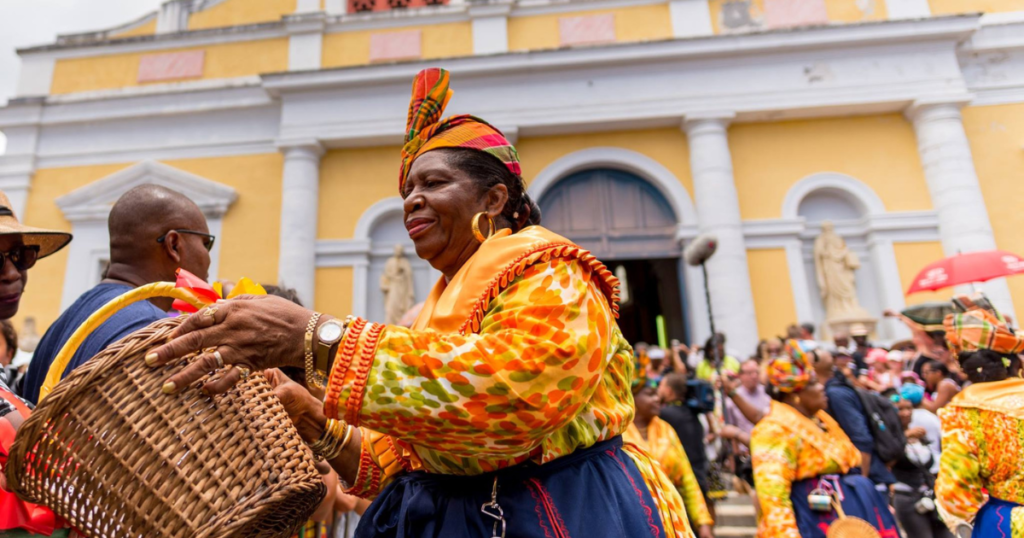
{"x": 459, "y": 305}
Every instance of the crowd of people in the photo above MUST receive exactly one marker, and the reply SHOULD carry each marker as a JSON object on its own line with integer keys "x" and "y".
{"x": 514, "y": 389}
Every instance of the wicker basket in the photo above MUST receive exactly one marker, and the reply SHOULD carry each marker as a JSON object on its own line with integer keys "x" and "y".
{"x": 112, "y": 454}
{"x": 849, "y": 526}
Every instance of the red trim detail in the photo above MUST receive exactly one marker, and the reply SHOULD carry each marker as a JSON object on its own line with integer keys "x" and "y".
{"x": 538, "y": 503}
{"x": 346, "y": 354}
{"x": 402, "y": 460}
{"x": 607, "y": 281}
{"x": 639, "y": 495}
{"x": 362, "y": 373}
{"x": 367, "y": 480}
{"x": 549, "y": 506}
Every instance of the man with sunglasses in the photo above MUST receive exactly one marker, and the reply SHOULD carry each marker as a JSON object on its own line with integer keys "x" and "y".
{"x": 153, "y": 232}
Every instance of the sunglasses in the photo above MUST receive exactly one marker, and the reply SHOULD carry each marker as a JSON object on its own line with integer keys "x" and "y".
{"x": 23, "y": 257}
{"x": 208, "y": 239}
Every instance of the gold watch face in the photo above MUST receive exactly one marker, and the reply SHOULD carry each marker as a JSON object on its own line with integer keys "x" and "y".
{"x": 329, "y": 332}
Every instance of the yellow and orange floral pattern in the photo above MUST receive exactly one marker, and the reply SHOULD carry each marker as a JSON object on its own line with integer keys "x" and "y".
{"x": 787, "y": 447}
{"x": 539, "y": 371}
{"x": 664, "y": 446}
{"x": 982, "y": 444}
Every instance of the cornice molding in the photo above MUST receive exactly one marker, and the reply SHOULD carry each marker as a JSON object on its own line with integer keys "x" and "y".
{"x": 93, "y": 201}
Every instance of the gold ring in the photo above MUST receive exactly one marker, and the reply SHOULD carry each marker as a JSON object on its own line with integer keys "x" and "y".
{"x": 220, "y": 359}
{"x": 243, "y": 371}
{"x": 210, "y": 311}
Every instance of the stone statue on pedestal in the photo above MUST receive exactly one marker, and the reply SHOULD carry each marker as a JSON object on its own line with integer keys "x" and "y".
{"x": 835, "y": 264}
{"x": 396, "y": 283}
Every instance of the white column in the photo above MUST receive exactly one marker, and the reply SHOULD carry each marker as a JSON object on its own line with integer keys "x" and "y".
{"x": 887, "y": 278}
{"x": 964, "y": 224}
{"x": 300, "y": 191}
{"x": 173, "y": 17}
{"x": 908, "y": 9}
{"x": 690, "y": 18}
{"x": 798, "y": 280}
{"x": 718, "y": 213}
{"x": 307, "y": 6}
{"x": 490, "y": 27}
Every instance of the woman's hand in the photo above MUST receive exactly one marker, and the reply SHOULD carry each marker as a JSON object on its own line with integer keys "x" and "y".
{"x": 705, "y": 531}
{"x": 249, "y": 332}
{"x": 306, "y": 412}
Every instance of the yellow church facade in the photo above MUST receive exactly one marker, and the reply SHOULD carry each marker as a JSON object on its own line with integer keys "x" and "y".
{"x": 640, "y": 124}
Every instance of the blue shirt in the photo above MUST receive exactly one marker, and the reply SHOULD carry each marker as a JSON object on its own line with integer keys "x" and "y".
{"x": 845, "y": 406}
{"x": 121, "y": 324}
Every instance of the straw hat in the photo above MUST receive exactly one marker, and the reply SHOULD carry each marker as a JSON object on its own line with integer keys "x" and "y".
{"x": 48, "y": 241}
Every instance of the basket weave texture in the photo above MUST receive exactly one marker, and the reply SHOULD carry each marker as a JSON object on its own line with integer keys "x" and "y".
{"x": 112, "y": 454}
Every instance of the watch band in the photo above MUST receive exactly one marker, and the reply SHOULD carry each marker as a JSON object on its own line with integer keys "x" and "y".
{"x": 313, "y": 378}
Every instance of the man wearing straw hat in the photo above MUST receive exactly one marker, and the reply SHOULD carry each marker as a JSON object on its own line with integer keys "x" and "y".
{"x": 153, "y": 232}
{"x": 20, "y": 247}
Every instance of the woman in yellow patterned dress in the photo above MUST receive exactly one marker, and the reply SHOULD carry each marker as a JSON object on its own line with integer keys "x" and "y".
{"x": 983, "y": 427}
{"x": 797, "y": 449}
{"x": 502, "y": 408}
{"x": 659, "y": 439}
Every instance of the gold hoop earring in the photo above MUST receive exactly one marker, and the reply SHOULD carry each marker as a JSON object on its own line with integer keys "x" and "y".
{"x": 476, "y": 226}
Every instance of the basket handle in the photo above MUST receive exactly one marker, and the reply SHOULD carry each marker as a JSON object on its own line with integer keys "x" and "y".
{"x": 142, "y": 293}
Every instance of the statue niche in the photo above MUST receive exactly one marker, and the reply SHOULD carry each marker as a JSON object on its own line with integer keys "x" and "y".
{"x": 835, "y": 265}
{"x": 397, "y": 285}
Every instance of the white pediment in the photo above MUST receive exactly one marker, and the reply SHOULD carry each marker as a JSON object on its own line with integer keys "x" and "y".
{"x": 93, "y": 201}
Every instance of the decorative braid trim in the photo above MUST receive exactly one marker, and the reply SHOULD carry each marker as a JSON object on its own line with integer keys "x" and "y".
{"x": 542, "y": 253}
{"x": 346, "y": 353}
{"x": 362, "y": 373}
{"x": 367, "y": 480}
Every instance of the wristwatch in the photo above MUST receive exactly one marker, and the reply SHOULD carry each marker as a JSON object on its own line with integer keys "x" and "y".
{"x": 328, "y": 334}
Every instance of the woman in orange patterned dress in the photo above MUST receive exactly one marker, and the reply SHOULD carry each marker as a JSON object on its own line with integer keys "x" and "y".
{"x": 503, "y": 406}
{"x": 799, "y": 451}
{"x": 980, "y": 480}
{"x": 659, "y": 439}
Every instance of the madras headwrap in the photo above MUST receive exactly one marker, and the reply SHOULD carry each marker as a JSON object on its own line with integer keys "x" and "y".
{"x": 981, "y": 329}
{"x": 425, "y": 131}
{"x": 790, "y": 373}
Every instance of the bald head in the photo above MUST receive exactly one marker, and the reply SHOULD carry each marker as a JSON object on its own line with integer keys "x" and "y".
{"x": 144, "y": 214}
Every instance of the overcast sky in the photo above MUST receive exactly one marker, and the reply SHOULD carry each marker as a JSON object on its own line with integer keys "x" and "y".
{"x": 36, "y": 22}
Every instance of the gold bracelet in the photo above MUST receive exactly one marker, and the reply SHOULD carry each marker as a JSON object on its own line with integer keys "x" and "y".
{"x": 349, "y": 429}
{"x": 335, "y": 433}
{"x": 312, "y": 377}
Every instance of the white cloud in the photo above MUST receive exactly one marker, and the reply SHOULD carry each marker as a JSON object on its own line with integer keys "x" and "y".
{"x": 26, "y": 23}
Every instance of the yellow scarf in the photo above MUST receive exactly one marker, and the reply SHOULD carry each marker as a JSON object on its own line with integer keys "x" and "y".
{"x": 832, "y": 442}
{"x": 459, "y": 306}
{"x": 1006, "y": 397}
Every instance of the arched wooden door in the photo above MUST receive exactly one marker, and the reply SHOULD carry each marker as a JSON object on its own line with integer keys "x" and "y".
{"x": 627, "y": 223}
{"x": 612, "y": 213}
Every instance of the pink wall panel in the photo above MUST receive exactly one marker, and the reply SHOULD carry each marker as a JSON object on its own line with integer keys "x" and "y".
{"x": 790, "y": 13}
{"x": 171, "y": 66}
{"x": 587, "y": 30}
{"x": 393, "y": 46}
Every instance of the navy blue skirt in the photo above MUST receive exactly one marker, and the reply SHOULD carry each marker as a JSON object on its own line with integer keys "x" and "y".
{"x": 596, "y": 492}
{"x": 993, "y": 520}
{"x": 858, "y": 497}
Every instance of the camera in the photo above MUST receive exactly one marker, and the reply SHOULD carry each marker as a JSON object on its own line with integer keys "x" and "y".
{"x": 924, "y": 505}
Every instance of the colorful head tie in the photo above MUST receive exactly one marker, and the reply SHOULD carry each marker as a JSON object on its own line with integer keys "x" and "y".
{"x": 640, "y": 380}
{"x": 981, "y": 329}
{"x": 425, "y": 131}
{"x": 790, "y": 373}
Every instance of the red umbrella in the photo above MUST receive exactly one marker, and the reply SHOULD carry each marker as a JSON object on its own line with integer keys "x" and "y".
{"x": 966, "y": 269}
